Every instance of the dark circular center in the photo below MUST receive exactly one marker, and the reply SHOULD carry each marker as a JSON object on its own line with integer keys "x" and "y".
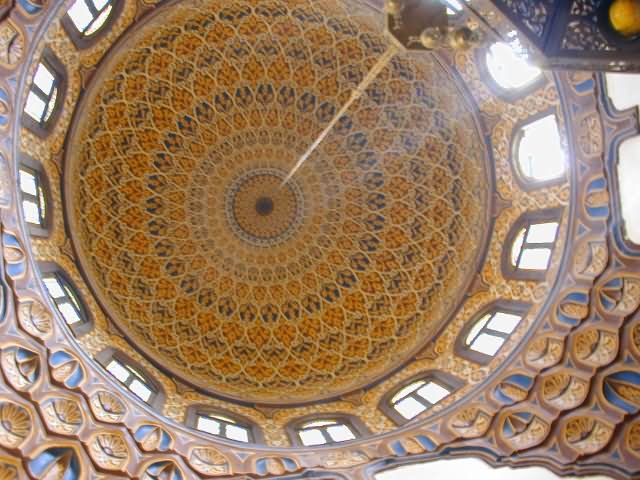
{"x": 264, "y": 206}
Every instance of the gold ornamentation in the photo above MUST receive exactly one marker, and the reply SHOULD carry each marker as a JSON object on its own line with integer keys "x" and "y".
{"x": 564, "y": 391}
{"x": 8, "y": 472}
{"x": 394, "y": 200}
{"x": 107, "y": 407}
{"x": 590, "y": 258}
{"x": 163, "y": 470}
{"x": 471, "y": 422}
{"x": 545, "y": 351}
{"x": 21, "y": 367}
{"x": 34, "y": 318}
{"x": 596, "y": 347}
{"x": 633, "y": 437}
{"x": 15, "y": 424}
{"x": 109, "y": 450}
{"x": 587, "y": 435}
{"x": 11, "y": 44}
{"x": 524, "y": 430}
{"x": 345, "y": 459}
{"x": 209, "y": 461}
{"x": 63, "y": 415}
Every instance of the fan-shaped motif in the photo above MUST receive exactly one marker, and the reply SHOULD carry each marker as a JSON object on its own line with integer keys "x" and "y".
{"x": 21, "y": 366}
{"x": 63, "y": 415}
{"x": 15, "y": 424}
{"x": 587, "y": 434}
{"x": 107, "y": 407}
{"x": 109, "y": 450}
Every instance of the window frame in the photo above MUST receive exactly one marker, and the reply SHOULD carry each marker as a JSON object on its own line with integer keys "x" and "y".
{"x": 44, "y": 127}
{"x": 526, "y": 220}
{"x": 356, "y": 426}
{"x": 506, "y": 94}
{"x": 501, "y": 306}
{"x": 104, "y": 358}
{"x": 35, "y": 168}
{"x": 516, "y": 139}
{"x": 194, "y": 412}
{"x": 612, "y": 162}
{"x": 85, "y": 325}
{"x": 444, "y": 379}
{"x": 82, "y": 41}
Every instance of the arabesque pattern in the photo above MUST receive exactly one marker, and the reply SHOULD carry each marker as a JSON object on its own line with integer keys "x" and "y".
{"x": 564, "y": 396}
{"x": 390, "y": 216}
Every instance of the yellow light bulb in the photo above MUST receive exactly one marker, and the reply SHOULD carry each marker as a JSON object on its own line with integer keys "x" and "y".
{"x": 624, "y": 16}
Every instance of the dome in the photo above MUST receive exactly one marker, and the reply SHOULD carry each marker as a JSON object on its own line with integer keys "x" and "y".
{"x": 234, "y": 280}
{"x": 291, "y": 239}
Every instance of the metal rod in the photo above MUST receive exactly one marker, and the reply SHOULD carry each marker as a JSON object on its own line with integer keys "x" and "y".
{"x": 355, "y": 95}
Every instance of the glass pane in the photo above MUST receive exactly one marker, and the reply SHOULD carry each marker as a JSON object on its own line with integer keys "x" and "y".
{"x": 340, "y": 433}
{"x": 535, "y": 259}
{"x": 407, "y": 390}
{"x": 208, "y": 425}
{"x": 99, "y": 4}
{"x": 35, "y": 107}
{"x": 118, "y": 370}
{"x": 80, "y": 15}
{"x": 540, "y": 153}
{"x": 409, "y": 407}
{"x": 542, "y": 233}
{"x": 433, "y": 392}
{"x": 234, "y": 432}
{"x": 453, "y": 7}
{"x": 44, "y": 79}
{"x": 476, "y": 328}
{"x": 312, "y": 437}
{"x": 629, "y": 179}
{"x": 102, "y": 18}
{"x": 623, "y": 89}
{"x": 28, "y": 183}
{"x": 53, "y": 287}
{"x": 508, "y": 69}
{"x": 516, "y": 248}
{"x": 504, "y": 322}
{"x": 42, "y": 203}
{"x": 141, "y": 390}
{"x": 51, "y": 105}
{"x": 319, "y": 423}
{"x": 69, "y": 313}
{"x": 487, "y": 344}
{"x": 31, "y": 212}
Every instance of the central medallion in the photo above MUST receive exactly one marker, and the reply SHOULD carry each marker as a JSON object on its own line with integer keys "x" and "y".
{"x": 261, "y": 210}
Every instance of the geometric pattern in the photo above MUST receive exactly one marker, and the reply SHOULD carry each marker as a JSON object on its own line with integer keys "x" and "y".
{"x": 369, "y": 248}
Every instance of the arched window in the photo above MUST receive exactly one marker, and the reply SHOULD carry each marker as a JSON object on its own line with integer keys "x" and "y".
{"x": 483, "y": 337}
{"x": 628, "y": 173}
{"x": 538, "y": 151}
{"x": 454, "y": 7}
{"x": 418, "y": 395}
{"x": 531, "y": 243}
{"x": 34, "y": 197}
{"x": 86, "y": 18}
{"x": 45, "y": 95}
{"x": 315, "y": 430}
{"x": 509, "y": 70}
{"x": 622, "y": 89}
{"x": 66, "y": 299}
{"x": 131, "y": 375}
{"x": 223, "y": 424}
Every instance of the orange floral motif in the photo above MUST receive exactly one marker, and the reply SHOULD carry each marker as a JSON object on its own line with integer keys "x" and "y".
{"x": 209, "y": 98}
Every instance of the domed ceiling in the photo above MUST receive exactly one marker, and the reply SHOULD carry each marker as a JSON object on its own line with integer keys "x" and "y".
{"x": 240, "y": 283}
{"x": 231, "y": 293}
